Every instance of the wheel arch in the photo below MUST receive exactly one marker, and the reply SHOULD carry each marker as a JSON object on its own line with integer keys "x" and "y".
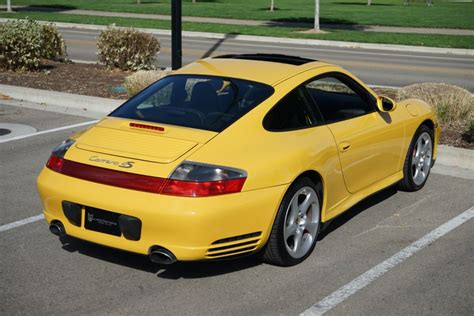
{"x": 317, "y": 178}
{"x": 429, "y": 123}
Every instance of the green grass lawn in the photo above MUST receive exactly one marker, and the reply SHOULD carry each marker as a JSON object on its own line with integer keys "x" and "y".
{"x": 339, "y": 35}
{"x": 381, "y": 12}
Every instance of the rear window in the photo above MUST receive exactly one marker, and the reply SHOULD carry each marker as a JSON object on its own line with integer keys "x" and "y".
{"x": 203, "y": 102}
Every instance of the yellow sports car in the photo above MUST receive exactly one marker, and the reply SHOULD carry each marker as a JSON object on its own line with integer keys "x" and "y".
{"x": 234, "y": 155}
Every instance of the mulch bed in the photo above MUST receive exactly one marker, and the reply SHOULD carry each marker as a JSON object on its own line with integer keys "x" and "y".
{"x": 96, "y": 80}
{"x": 85, "y": 79}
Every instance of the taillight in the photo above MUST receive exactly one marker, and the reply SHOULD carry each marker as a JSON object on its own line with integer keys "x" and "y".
{"x": 56, "y": 160}
{"x": 197, "y": 189}
{"x": 197, "y": 180}
{"x": 55, "y": 163}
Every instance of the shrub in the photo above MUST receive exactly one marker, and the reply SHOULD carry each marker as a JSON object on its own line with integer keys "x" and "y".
{"x": 20, "y": 45}
{"x": 142, "y": 79}
{"x": 24, "y": 42}
{"x": 455, "y": 105}
{"x": 53, "y": 46}
{"x": 127, "y": 49}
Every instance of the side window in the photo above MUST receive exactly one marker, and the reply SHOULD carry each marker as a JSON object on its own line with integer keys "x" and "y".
{"x": 337, "y": 101}
{"x": 291, "y": 112}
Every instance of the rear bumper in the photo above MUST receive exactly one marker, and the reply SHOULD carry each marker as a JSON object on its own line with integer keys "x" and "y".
{"x": 187, "y": 227}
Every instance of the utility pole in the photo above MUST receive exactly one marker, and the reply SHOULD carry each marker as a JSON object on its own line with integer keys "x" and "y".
{"x": 176, "y": 51}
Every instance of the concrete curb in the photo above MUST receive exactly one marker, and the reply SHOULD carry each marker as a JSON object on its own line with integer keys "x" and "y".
{"x": 455, "y": 157}
{"x": 97, "y": 107}
{"x": 81, "y": 103}
{"x": 282, "y": 40}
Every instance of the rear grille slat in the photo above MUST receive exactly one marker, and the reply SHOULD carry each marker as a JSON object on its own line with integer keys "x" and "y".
{"x": 234, "y": 246}
{"x": 235, "y": 238}
{"x": 232, "y": 252}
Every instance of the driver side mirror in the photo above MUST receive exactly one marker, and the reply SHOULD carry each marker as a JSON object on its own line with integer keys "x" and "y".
{"x": 385, "y": 104}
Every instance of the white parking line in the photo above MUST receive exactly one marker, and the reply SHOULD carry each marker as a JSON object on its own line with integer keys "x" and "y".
{"x": 332, "y": 300}
{"x": 47, "y": 131}
{"x": 21, "y": 222}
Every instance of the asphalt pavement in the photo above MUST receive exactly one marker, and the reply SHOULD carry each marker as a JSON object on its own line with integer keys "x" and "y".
{"x": 41, "y": 275}
{"x": 375, "y": 67}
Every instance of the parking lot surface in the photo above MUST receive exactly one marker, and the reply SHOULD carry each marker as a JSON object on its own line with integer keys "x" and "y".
{"x": 42, "y": 275}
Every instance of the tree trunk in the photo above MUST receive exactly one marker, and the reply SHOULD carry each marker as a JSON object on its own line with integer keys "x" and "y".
{"x": 369, "y": 2}
{"x": 316, "y": 15}
{"x": 271, "y": 5}
{"x": 9, "y": 6}
{"x": 139, "y": 1}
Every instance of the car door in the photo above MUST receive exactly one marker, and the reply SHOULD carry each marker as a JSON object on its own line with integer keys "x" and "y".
{"x": 369, "y": 142}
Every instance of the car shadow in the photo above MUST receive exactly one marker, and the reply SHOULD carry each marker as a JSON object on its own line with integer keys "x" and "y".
{"x": 205, "y": 269}
{"x": 179, "y": 270}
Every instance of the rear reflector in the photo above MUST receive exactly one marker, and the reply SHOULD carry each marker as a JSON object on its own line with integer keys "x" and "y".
{"x": 105, "y": 176}
{"x": 143, "y": 183}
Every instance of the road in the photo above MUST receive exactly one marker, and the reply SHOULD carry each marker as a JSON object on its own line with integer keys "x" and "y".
{"x": 375, "y": 67}
{"x": 41, "y": 275}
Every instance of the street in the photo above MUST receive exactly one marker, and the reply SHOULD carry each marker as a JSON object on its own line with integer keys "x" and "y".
{"x": 375, "y": 67}
{"x": 43, "y": 275}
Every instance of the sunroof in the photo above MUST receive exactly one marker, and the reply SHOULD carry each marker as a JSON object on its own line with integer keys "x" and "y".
{"x": 277, "y": 58}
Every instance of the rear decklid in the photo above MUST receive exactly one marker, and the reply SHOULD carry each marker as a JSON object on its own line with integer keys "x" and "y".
{"x": 146, "y": 141}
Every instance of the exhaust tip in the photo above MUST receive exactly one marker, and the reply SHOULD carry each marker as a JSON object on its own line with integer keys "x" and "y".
{"x": 57, "y": 228}
{"x": 161, "y": 256}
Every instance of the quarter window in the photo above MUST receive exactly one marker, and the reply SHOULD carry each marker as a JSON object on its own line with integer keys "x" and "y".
{"x": 291, "y": 112}
{"x": 337, "y": 100}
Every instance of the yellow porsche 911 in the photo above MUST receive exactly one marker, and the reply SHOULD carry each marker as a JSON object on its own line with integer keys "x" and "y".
{"x": 234, "y": 155}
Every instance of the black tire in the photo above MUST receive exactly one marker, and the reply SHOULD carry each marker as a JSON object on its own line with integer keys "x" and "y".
{"x": 275, "y": 251}
{"x": 407, "y": 183}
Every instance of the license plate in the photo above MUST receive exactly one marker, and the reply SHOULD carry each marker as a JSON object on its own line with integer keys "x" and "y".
{"x": 102, "y": 221}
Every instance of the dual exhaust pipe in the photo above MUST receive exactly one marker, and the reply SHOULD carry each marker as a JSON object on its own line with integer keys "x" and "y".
{"x": 157, "y": 254}
{"x": 57, "y": 228}
{"x": 161, "y": 256}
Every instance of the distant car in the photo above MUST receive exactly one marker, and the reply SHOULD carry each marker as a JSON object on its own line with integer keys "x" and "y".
{"x": 234, "y": 155}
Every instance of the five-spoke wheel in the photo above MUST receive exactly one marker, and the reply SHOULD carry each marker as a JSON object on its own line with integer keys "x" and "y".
{"x": 419, "y": 160}
{"x": 301, "y": 222}
{"x": 296, "y": 226}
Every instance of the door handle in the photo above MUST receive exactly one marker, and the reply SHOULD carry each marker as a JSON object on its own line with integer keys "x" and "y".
{"x": 344, "y": 146}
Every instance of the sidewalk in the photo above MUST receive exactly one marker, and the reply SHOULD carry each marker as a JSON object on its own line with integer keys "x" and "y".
{"x": 365, "y": 28}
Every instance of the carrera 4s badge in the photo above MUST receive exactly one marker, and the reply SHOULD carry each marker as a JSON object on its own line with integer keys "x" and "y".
{"x": 125, "y": 164}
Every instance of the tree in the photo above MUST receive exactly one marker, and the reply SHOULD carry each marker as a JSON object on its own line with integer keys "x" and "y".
{"x": 316, "y": 16}
{"x": 271, "y": 5}
{"x": 9, "y": 6}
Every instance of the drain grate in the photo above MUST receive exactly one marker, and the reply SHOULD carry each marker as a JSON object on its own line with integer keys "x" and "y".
{"x": 4, "y": 131}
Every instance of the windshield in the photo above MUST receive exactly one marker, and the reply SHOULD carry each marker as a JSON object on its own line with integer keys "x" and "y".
{"x": 203, "y": 102}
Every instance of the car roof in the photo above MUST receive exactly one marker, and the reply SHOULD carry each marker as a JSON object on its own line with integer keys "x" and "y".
{"x": 265, "y": 68}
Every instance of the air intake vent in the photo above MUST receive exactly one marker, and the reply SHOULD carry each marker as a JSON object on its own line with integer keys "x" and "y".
{"x": 230, "y": 246}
